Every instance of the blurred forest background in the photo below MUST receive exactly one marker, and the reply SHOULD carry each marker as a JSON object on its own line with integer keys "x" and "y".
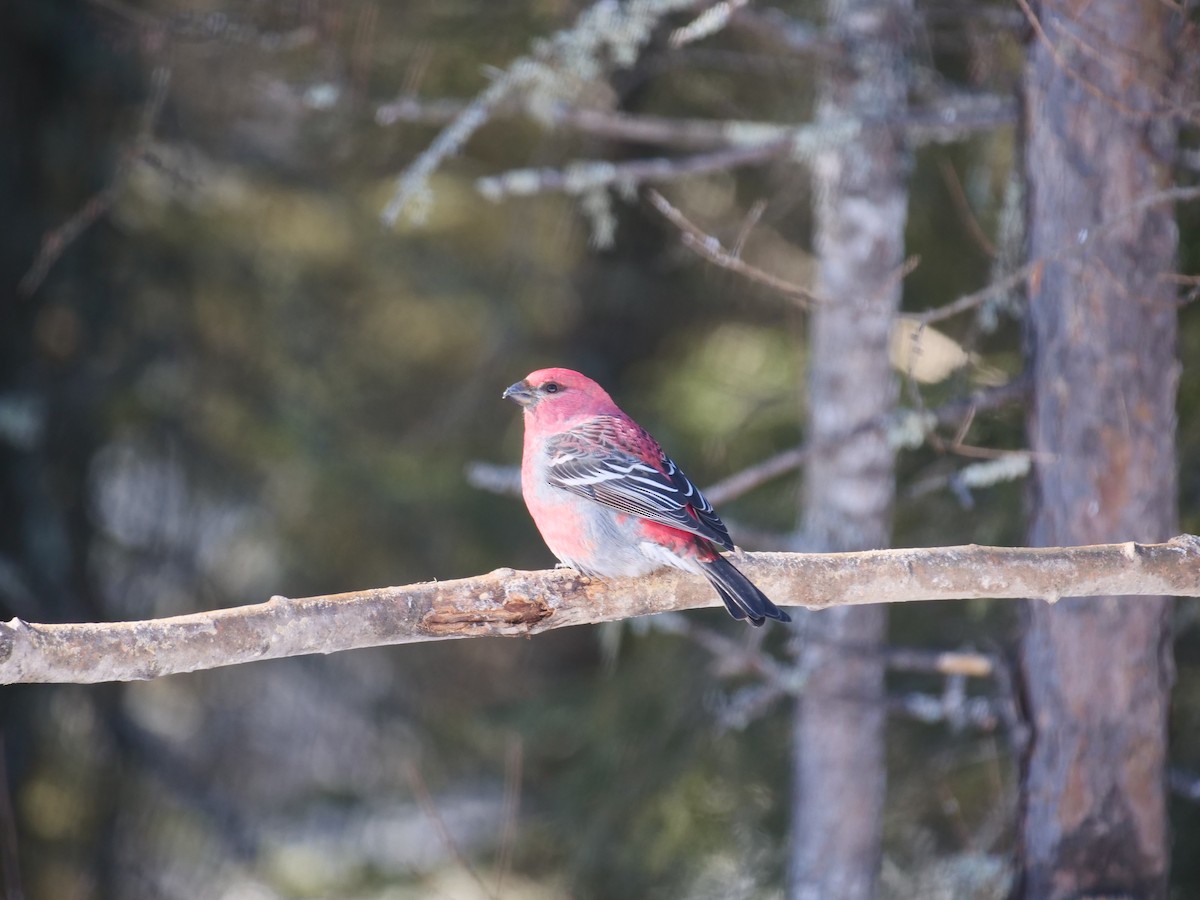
{"x": 224, "y": 378}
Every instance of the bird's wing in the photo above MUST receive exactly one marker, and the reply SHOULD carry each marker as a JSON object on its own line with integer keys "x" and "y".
{"x": 617, "y": 463}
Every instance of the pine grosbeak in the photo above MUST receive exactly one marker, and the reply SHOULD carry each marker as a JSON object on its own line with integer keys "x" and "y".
{"x": 609, "y": 502}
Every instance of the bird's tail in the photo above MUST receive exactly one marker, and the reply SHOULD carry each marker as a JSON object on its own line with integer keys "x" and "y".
{"x": 742, "y": 598}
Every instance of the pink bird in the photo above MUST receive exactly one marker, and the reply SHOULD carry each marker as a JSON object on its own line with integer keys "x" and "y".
{"x": 609, "y": 502}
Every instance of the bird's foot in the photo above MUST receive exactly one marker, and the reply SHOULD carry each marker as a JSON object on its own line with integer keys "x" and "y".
{"x": 584, "y": 577}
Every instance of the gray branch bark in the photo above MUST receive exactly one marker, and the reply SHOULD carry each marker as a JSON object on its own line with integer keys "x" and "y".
{"x": 508, "y": 603}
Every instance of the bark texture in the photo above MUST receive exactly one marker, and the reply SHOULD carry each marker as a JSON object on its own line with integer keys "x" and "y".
{"x": 838, "y": 747}
{"x": 507, "y": 603}
{"x": 1097, "y": 672}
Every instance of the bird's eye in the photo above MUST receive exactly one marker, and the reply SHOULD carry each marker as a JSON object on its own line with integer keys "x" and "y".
{"x": 551, "y": 387}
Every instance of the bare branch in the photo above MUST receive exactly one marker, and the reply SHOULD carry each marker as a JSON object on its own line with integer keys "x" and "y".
{"x": 1002, "y": 466}
{"x": 704, "y": 244}
{"x": 510, "y": 603}
{"x": 785, "y": 32}
{"x": 1081, "y": 245}
{"x": 584, "y": 176}
{"x": 707, "y": 23}
{"x": 1165, "y": 106}
{"x": 963, "y": 206}
{"x": 203, "y": 27}
{"x": 55, "y": 242}
{"x": 969, "y": 301}
{"x": 745, "y": 143}
{"x": 604, "y": 36}
{"x": 741, "y": 483}
{"x": 775, "y": 680}
{"x": 413, "y": 183}
{"x": 665, "y": 131}
{"x": 952, "y": 119}
{"x": 941, "y": 662}
{"x": 10, "y": 874}
{"x": 736, "y": 657}
{"x": 956, "y": 709}
{"x": 429, "y": 807}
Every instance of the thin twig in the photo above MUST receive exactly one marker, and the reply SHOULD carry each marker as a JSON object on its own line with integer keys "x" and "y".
{"x": 364, "y": 40}
{"x": 746, "y": 655}
{"x": 748, "y": 223}
{"x": 425, "y": 801}
{"x": 747, "y": 144}
{"x": 217, "y": 26}
{"x": 959, "y": 198}
{"x": 413, "y": 182}
{"x": 898, "y": 274}
{"x": 977, "y": 712}
{"x": 55, "y": 242}
{"x": 694, "y": 238}
{"x": 1167, "y": 108}
{"x": 1192, "y": 282}
{"x": 959, "y": 711}
{"x": 747, "y": 704}
{"x": 547, "y": 70}
{"x": 743, "y": 482}
{"x": 976, "y": 298}
{"x": 9, "y": 846}
{"x": 958, "y": 115}
{"x": 942, "y": 662}
{"x": 514, "y": 766}
{"x": 736, "y": 657}
{"x": 582, "y": 177}
{"x": 784, "y": 32}
{"x": 1079, "y": 247}
{"x": 706, "y": 24}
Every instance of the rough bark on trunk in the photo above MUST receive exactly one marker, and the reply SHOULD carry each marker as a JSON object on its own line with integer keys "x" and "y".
{"x": 1097, "y": 673}
{"x": 838, "y": 757}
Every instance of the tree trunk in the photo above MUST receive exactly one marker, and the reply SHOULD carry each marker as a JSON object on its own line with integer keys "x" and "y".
{"x": 839, "y": 765}
{"x": 1097, "y": 673}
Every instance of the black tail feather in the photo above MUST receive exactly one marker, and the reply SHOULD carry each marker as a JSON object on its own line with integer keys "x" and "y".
{"x": 742, "y": 598}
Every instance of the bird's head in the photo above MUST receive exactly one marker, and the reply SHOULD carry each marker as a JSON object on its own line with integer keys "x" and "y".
{"x": 560, "y": 395}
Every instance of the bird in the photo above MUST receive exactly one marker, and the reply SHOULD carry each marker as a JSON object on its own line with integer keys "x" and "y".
{"x": 609, "y": 502}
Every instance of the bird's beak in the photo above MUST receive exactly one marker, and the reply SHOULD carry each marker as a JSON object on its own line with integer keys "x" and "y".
{"x": 520, "y": 393}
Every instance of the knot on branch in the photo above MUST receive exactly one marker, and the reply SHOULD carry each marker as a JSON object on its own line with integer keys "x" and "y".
{"x": 517, "y": 614}
{"x": 8, "y": 638}
{"x": 1189, "y": 543}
